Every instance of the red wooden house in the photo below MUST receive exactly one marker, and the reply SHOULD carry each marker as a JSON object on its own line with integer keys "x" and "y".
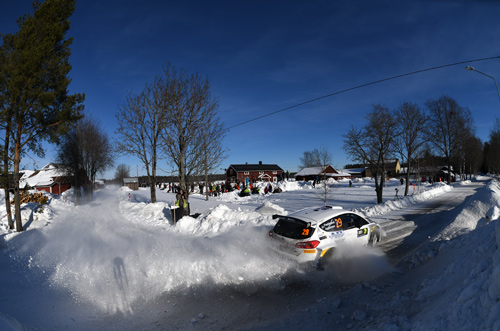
{"x": 50, "y": 179}
{"x": 254, "y": 172}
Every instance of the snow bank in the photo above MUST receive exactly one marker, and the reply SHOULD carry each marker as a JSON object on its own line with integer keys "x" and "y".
{"x": 404, "y": 202}
{"x": 289, "y": 185}
{"x": 462, "y": 291}
{"x": 218, "y": 220}
{"x": 270, "y": 209}
{"x": 483, "y": 207}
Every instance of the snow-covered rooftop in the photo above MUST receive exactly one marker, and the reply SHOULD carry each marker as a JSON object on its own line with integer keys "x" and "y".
{"x": 41, "y": 177}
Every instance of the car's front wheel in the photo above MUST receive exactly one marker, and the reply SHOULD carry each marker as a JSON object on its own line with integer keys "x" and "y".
{"x": 375, "y": 239}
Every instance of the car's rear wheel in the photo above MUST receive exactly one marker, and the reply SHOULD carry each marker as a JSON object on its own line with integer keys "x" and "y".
{"x": 325, "y": 259}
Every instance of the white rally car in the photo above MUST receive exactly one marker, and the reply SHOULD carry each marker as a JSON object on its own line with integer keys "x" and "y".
{"x": 311, "y": 235}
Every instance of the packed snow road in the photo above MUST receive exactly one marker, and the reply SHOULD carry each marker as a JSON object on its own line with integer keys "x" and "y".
{"x": 407, "y": 228}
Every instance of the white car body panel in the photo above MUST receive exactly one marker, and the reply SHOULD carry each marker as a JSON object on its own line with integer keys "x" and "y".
{"x": 330, "y": 227}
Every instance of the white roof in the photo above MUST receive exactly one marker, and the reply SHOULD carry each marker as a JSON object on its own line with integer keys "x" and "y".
{"x": 43, "y": 177}
{"x": 318, "y": 170}
{"x": 355, "y": 170}
{"x": 309, "y": 171}
{"x": 341, "y": 174}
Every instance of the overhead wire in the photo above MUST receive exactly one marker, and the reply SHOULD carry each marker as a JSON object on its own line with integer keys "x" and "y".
{"x": 357, "y": 87}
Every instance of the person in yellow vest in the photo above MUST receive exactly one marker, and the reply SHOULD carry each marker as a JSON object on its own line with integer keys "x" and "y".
{"x": 182, "y": 202}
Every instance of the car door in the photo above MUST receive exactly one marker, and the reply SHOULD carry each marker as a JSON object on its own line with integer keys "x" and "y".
{"x": 349, "y": 227}
{"x": 331, "y": 232}
{"x": 363, "y": 229}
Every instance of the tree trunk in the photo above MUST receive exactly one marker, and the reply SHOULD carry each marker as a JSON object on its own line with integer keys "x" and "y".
{"x": 449, "y": 170}
{"x": 205, "y": 152}
{"x": 407, "y": 184}
{"x": 6, "y": 176}
{"x": 182, "y": 171}
{"x": 17, "y": 200}
{"x": 152, "y": 189}
{"x": 152, "y": 180}
{"x": 206, "y": 185}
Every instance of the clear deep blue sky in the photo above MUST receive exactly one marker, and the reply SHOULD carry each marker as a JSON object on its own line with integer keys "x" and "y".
{"x": 263, "y": 56}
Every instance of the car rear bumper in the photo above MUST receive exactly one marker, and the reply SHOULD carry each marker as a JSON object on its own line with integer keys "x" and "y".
{"x": 290, "y": 252}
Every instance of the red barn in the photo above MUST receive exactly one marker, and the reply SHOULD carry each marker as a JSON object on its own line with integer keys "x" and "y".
{"x": 254, "y": 172}
{"x": 56, "y": 185}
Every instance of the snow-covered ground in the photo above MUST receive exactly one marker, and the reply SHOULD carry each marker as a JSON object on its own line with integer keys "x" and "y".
{"x": 119, "y": 263}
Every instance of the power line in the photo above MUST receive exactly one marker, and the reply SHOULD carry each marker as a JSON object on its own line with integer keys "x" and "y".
{"x": 359, "y": 86}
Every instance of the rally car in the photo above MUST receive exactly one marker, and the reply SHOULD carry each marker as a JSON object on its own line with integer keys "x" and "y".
{"x": 311, "y": 234}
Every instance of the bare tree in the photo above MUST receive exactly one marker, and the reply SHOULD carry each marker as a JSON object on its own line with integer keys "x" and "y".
{"x": 448, "y": 121}
{"x": 84, "y": 152}
{"x": 97, "y": 150}
{"x": 122, "y": 171}
{"x": 310, "y": 159}
{"x": 213, "y": 153}
{"x": 372, "y": 144}
{"x": 465, "y": 141}
{"x": 141, "y": 121}
{"x": 493, "y": 149}
{"x": 186, "y": 137}
{"x": 473, "y": 155}
{"x": 411, "y": 135}
{"x": 69, "y": 156}
{"x": 325, "y": 159}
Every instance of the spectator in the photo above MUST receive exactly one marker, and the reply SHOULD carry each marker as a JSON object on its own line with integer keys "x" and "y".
{"x": 182, "y": 202}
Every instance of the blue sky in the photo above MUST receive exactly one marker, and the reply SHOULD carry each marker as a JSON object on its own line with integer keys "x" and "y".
{"x": 263, "y": 56}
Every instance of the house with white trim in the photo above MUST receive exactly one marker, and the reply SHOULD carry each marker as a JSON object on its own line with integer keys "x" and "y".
{"x": 51, "y": 178}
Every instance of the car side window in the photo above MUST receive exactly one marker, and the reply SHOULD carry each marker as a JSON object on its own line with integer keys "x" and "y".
{"x": 348, "y": 221}
{"x": 359, "y": 221}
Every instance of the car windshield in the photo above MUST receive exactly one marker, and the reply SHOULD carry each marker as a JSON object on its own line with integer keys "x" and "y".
{"x": 293, "y": 228}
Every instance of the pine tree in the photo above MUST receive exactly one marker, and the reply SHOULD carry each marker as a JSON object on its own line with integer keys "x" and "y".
{"x": 34, "y": 76}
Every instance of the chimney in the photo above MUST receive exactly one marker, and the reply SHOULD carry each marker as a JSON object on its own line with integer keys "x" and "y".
{"x": 260, "y": 162}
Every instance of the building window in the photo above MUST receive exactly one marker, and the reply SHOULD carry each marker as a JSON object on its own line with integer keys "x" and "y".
{"x": 275, "y": 172}
{"x": 246, "y": 173}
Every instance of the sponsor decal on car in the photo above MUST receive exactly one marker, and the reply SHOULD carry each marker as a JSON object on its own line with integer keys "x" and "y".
{"x": 337, "y": 234}
{"x": 362, "y": 232}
